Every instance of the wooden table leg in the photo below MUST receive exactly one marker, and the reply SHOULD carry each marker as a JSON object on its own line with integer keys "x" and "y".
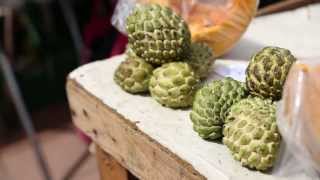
{"x": 109, "y": 168}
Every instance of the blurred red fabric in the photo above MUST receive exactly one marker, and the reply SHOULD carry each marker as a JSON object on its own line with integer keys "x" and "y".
{"x": 100, "y": 26}
{"x": 119, "y": 45}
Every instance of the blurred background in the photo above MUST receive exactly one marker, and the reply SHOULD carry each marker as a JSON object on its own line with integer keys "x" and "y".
{"x": 42, "y": 41}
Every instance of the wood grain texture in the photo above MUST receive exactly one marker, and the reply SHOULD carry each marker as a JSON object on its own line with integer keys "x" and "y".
{"x": 133, "y": 149}
{"x": 109, "y": 168}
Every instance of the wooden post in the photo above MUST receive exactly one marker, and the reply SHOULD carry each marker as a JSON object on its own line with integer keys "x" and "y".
{"x": 109, "y": 168}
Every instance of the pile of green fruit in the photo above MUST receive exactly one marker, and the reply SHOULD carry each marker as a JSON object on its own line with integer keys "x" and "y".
{"x": 243, "y": 114}
{"x": 161, "y": 59}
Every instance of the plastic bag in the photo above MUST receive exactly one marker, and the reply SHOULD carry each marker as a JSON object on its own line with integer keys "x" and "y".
{"x": 121, "y": 12}
{"x": 298, "y": 119}
{"x": 219, "y": 23}
{"x": 184, "y": 8}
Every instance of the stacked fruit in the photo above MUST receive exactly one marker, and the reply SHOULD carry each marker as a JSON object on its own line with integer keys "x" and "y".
{"x": 161, "y": 58}
{"x": 243, "y": 114}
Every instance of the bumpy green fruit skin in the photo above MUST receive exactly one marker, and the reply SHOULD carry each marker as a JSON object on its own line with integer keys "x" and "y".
{"x": 251, "y": 133}
{"x": 174, "y": 84}
{"x": 211, "y": 106}
{"x": 133, "y": 75}
{"x": 267, "y": 72}
{"x": 200, "y": 59}
{"x": 130, "y": 53}
{"x": 157, "y": 34}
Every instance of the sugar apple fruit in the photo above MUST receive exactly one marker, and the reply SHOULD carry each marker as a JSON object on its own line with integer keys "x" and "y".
{"x": 200, "y": 59}
{"x": 251, "y": 133}
{"x": 130, "y": 54}
{"x": 174, "y": 84}
{"x": 267, "y": 72}
{"x": 211, "y": 106}
{"x": 133, "y": 75}
{"x": 157, "y": 34}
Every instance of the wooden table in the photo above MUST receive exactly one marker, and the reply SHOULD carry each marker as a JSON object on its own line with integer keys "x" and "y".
{"x": 134, "y": 133}
{"x": 151, "y": 141}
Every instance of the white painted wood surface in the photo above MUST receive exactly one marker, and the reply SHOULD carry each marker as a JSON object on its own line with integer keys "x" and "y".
{"x": 296, "y": 30}
{"x": 171, "y": 128}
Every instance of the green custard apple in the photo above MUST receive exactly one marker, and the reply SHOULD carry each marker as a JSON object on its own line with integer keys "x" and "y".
{"x": 267, "y": 72}
{"x": 251, "y": 133}
{"x": 200, "y": 59}
{"x": 174, "y": 84}
{"x": 157, "y": 34}
{"x": 130, "y": 54}
{"x": 133, "y": 75}
{"x": 211, "y": 106}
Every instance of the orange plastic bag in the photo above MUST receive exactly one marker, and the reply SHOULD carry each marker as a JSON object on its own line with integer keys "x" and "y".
{"x": 298, "y": 119}
{"x": 219, "y": 23}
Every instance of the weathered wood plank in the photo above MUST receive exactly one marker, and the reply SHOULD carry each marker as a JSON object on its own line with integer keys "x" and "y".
{"x": 133, "y": 149}
{"x": 109, "y": 168}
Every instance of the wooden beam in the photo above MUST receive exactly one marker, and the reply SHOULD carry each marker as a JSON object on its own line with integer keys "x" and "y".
{"x": 284, "y": 6}
{"x": 132, "y": 148}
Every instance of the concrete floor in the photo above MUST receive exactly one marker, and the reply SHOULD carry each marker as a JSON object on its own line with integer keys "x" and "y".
{"x": 61, "y": 147}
